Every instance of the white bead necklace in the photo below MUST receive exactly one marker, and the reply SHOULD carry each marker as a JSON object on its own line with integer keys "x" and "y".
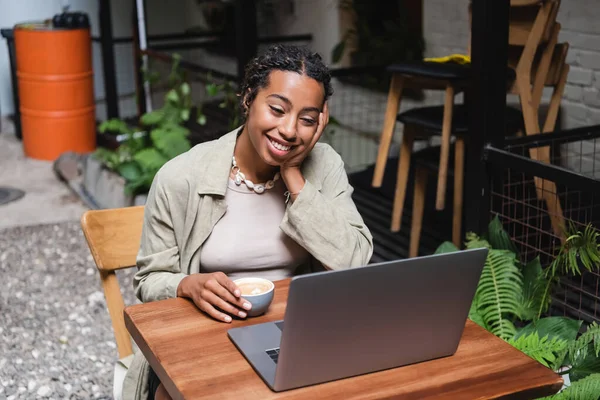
{"x": 239, "y": 177}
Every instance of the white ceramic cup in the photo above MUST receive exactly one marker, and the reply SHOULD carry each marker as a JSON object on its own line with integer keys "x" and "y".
{"x": 260, "y": 299}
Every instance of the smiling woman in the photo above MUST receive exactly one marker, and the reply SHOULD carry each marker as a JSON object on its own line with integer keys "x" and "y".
{"x": 265, "y": 200}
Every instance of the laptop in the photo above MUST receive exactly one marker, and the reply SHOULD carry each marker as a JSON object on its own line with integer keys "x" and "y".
{"x": 344, "y": 323}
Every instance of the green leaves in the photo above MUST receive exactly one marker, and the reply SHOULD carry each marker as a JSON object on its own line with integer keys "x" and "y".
{"x": 108, "y": 157}
{"x": 152, "y": 118}
{"x": 534, "y": 285}
{"x": 583, "y": 353}
{"x": 584, "y": 389}
{"x": 584, "y": 367}
{"x": 508, "y": 292}
{"x": 498, "y": 237}
{"x": 446, "y": 247}
{"x": 227, "y": 93}
{"x": 212, "y": 89}
{"x": 580, "y": 250}
{"x": 544, "y": 350}
{"x": 185, "y": 89}
{"x": 139, "y": 157}
{"x": 172, "y": 96}
{"x": 115, "y": 125}
{"x": 170, "y": 141}
{"x": 475, "y": 242}
{"x": 184, "y": 114}
{"x": 130, "y": 170}
{"x": 498, "y": 293}
{"x": 150, "y": 159}
{"x": 560, "y": 327}
{"x": 475, "y": 314}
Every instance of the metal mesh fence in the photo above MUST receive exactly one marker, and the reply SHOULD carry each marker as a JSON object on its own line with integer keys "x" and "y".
{"x": 536, "y": 205}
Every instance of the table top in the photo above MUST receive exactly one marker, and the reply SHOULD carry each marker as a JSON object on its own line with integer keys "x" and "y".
{"x": 194, "y": 358}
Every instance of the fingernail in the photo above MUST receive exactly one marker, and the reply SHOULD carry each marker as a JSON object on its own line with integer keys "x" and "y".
{"x": 242, "y": 314}
{"x": 247, "y": 306}
{"x": 227, "y": 318}
{"x": 237, "y": 293}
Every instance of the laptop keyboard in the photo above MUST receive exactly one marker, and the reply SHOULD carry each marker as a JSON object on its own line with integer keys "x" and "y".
{"x": 274, "y": 354}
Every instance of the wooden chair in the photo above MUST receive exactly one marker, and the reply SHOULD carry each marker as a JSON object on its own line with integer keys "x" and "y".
{"x": 113, "y": 237}
{"x": 426, "y": 161}
{"x": 531, "y": 29}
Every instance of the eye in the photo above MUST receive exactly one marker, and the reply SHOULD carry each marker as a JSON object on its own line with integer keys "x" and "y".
{"x": 276, "y": 110}
{"x": 309, "y": 121}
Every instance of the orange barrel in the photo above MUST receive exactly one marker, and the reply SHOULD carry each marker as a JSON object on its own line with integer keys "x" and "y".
{"x": 56, "y": 90}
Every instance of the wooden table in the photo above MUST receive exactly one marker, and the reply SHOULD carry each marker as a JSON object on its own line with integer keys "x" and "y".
{"x": 194, "y": 358}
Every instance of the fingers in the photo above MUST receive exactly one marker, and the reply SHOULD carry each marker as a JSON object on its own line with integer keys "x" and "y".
{"x": 220, "y": 298}
{"x": 227, "y": 283}
{"x": 210, "y": 310}
{"x": 224, "y": 293}
{"x": 223, "y": 305}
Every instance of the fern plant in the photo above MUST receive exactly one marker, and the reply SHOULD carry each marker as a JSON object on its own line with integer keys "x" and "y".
{"x": 547, "y": 351}
{"x": 580, "y": 250}
{"x": 510, "y": 295}
{"x": 585, "y": 389}
{"x": 500, "y": 287}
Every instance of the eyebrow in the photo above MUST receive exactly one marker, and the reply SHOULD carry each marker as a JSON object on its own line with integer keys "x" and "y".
{"x": 288, "y": 102}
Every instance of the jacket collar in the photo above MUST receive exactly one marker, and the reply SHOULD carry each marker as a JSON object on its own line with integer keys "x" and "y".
{"x": 213, "y": 169}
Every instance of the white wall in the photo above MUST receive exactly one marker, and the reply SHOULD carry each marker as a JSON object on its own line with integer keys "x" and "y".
{"x": 13, "y": 12}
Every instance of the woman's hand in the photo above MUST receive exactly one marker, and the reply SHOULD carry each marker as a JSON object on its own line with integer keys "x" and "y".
{"x": 290, "y": 169}
{"x": 215, "y": 294}
{"x": 295, "y": 161}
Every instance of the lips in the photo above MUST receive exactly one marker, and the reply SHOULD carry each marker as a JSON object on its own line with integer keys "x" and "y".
{"x": 279, "y": 146}
{"x": 278, "y": 149}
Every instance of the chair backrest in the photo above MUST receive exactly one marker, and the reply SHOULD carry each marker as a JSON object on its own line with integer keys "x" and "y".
{"x": 113, "y": 237}
{"x": 530, "y": 24}
{"x": 526, "y": 17}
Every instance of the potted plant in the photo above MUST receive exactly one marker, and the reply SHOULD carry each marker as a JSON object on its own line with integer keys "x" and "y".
{"x": 512, "y": 299}
{"x": 115, "y": 176}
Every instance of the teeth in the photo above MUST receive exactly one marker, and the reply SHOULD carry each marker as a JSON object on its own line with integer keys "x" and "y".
{"x": 279, "y": 146}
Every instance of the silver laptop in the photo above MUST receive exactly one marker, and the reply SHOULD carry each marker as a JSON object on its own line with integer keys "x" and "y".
{"x": 345, "y": 323}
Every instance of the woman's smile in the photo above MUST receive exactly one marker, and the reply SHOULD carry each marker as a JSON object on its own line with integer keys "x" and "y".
{"x": 278, "y": 148}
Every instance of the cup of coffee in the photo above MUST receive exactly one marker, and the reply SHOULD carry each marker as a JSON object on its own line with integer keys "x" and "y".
{"x": 258, "y": 291}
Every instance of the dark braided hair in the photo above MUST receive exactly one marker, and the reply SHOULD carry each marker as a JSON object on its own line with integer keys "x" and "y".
{"x": 283, "y": 58}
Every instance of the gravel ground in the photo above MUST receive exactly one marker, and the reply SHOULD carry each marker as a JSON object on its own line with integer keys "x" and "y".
{"x": 56, "y": 339}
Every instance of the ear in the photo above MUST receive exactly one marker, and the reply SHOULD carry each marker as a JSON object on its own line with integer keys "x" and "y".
{"x": 246, "y": 102}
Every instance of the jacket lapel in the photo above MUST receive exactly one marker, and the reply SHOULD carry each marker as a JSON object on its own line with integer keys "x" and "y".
{"x": 207, "y": 200}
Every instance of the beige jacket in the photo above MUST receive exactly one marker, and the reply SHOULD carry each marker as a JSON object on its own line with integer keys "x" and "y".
{"x": 186, "y": 201}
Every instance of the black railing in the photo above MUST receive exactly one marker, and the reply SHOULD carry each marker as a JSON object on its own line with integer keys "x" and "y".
{"x": 536, "y": 201}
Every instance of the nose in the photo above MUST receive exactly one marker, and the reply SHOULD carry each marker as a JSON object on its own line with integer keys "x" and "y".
{"x": 287, "y": 129}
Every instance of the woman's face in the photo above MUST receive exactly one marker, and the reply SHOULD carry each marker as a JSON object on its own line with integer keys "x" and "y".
{"x": 284, "y": 116}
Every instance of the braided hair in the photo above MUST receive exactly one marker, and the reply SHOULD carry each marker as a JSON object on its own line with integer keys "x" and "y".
{"x": 291, "y": 58}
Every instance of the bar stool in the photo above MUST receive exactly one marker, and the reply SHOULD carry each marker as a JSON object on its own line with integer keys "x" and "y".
{"x": 532, "y": 38}
{"x": 431, "y": 121}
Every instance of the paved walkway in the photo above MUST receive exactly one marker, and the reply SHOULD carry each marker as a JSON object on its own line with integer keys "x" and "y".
{"x": 46, "y": 200}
